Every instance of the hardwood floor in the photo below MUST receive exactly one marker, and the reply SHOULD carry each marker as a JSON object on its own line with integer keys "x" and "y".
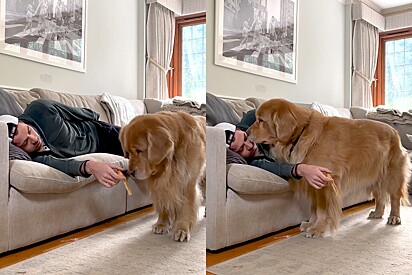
{"x": 215, "y": 258}
{"x": 18, "y": 255}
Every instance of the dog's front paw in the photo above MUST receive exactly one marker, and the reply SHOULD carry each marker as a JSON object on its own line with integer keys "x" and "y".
{"x": 181, "y": 236}
{"x": 304, "y": 226}
{"x": 312, "y": 232}
{"x": 159, "y": 228}
{"x": 375, "y": 215}
{"x": 394, "y": 220}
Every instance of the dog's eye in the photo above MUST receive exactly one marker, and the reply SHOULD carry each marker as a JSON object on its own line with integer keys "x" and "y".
{"x": 260, "y": 120}
{"x": 138, "y": 151}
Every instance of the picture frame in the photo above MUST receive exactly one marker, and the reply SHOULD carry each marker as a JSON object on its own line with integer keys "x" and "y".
{"x": 52, "y": 32}
{"x": 258, "y": 37}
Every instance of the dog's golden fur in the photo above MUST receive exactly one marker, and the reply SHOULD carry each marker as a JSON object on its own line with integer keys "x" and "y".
{"x": 169, "y": 150}
{"x": 363, "y": 155}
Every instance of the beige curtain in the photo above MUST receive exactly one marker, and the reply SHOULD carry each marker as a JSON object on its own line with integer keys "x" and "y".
{"x": 365, "y": 55}
{"x": 160, "y": 39}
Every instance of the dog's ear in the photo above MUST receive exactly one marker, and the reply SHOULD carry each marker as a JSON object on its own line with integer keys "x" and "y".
{"x": 285, "y": 123}
{"x": 160, "y": 146}
{"x": 123, "y": 140}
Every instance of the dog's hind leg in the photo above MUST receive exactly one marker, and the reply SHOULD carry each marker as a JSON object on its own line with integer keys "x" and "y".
{"x": 395, "y": 216}
{"x": 397, "y": 177}
{"x": 398, "y": 192}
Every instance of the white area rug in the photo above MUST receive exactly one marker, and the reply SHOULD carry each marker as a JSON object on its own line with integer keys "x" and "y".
{"x": 360, "y": 246}
{"x": 130, "y": 248}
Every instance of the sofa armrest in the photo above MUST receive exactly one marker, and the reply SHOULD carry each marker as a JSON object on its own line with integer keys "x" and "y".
{"x": 215, "y": 187}
{"x": 4, "y": 188}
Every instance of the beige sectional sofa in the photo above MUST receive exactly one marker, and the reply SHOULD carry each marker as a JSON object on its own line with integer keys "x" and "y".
{"x": 245, "y": 202}
{"x": 38, "y": 202}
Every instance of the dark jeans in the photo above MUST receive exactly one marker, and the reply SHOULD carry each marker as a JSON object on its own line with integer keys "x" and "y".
{"x": 108, "y": 138}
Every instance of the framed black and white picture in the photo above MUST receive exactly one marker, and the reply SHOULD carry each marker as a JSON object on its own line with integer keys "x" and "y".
{"x": 258, "y": 36}
{"x": 46, "y": 31}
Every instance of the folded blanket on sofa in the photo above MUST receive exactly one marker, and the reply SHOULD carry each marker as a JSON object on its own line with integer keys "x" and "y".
{"x": 119, "y": 110}
{"x": 390, "y": 115}
{"x": 189, "y": 106}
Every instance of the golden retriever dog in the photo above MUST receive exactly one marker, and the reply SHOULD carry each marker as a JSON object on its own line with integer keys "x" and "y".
{"x": 363, "y": 155}
{"x": 169, "y": 151}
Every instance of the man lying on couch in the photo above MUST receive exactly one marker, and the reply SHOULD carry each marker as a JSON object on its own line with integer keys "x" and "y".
{"x": 52, "y": 132}
{"x": 258, "y": 154}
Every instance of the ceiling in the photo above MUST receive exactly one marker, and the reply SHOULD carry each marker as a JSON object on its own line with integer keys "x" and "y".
{"x": 387, "y": 4}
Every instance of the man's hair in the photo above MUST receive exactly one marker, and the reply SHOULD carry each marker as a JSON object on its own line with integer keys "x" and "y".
{"x": 229, "y": 131}
{"x": 11, "y": 122}
{"x": 229, "y": 137}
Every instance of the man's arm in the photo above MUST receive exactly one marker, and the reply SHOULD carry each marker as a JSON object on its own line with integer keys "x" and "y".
{"x": 313, "y": 174}
{"x": 281, "y": 169}
{"x": 68, "y": 166}
{"x": 103, "y": 171}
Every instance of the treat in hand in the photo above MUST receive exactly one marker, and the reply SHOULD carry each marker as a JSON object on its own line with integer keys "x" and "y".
{"x": 129, "y": 191}
{"x": 333, "y": 184}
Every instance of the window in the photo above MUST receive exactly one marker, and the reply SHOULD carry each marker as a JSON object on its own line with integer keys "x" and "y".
{"x": 188, "y": 76}
{"x": 394, "y": 70}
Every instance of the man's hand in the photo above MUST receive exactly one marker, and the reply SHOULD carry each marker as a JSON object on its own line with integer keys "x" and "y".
{"x": 314, "y": 175}
{"x": 104, "y": 172}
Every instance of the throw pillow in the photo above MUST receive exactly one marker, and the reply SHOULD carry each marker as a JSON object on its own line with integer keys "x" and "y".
{"x": 326, "y": 110}
{"x": 17, "y": 153}
{"x": 217, "y": 110}
{"x": 9, "y": 105}
{"x": 233, "y": 157}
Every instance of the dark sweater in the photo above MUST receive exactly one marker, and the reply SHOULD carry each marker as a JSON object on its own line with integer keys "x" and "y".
{"x": 266, "y": 161}
{"x": 67, "y": 131}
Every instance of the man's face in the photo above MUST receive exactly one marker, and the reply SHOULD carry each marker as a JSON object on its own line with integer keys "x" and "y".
{"x": 242, "y": 145}
{"x": 26, "y": 138}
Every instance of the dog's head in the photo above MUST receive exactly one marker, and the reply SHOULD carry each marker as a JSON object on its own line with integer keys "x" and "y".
{"x": 148, "y": 144}
{"x": 277, "y": 121}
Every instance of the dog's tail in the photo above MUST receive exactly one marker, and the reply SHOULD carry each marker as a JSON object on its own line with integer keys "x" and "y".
{"x": 407, "y": 177}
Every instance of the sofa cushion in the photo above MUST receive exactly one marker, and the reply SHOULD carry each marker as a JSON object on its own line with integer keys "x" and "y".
{"x": 251, "y": 180}
{"x": 256, "y": 102}
{"x": 84, "y": 101}
{"x": 217, "y": 110}
{"x": 34, "y": 177}
{"x": 24, "y": 97}
{"x": 9, "y": 105}
{"x": 240, "y": 106}
{"x": 358, "y": 112}
{"x": 152, "y": 105}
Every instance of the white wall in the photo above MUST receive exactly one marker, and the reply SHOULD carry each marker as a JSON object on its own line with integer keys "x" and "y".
{"x": 115, "y": 55}
{"x": 323, "y": 64}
